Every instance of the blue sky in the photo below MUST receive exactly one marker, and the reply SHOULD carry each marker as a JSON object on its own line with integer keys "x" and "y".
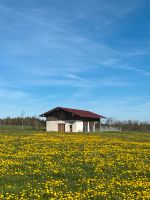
{"x": 82, "y": 54}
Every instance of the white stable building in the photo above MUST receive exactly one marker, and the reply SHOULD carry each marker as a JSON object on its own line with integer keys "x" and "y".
{"x": 71, "y": 120}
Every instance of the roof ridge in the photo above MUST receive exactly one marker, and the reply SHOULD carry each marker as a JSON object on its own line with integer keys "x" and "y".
{"x": 81, "y": 113}
{"x": 74, "y": 109}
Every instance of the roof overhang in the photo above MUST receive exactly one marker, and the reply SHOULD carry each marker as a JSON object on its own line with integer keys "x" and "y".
{"x": 81, "y": 113}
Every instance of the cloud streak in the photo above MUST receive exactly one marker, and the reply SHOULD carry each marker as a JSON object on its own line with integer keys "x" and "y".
{"x": 13, "y": 94}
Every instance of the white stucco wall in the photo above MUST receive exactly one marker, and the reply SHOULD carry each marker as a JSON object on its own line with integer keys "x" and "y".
{"x": 53, "y": 125}
{"x": 77, "y": 126}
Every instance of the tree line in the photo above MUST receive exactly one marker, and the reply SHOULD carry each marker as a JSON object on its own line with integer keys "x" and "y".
{"x": 39, "y": 124}
{"x": 131, "y": 125}
{"x": 33, "y": 122}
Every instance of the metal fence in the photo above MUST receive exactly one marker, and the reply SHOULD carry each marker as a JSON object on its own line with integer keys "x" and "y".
{"x": 110, "y": 128}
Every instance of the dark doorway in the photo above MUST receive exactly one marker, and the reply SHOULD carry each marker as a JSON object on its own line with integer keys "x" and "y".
{"x": 70, "y": 128}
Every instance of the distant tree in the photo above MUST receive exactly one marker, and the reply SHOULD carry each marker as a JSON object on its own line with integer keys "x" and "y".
{"x": 34, "y": 122}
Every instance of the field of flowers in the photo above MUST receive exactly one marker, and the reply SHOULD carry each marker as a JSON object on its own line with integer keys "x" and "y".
{"x": 74, "y": 166}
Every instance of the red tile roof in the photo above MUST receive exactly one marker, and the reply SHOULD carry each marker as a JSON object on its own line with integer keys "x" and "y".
{"x": 81, "y": 113}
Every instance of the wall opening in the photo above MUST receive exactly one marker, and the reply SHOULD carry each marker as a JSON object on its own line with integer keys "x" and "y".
{"x": 61, "y": 127}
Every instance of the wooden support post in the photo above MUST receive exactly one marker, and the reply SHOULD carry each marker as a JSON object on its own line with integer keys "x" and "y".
{"x": 88, "y": 127}
{"x": 100, "y": 124}
{"x": 94, "y": 127}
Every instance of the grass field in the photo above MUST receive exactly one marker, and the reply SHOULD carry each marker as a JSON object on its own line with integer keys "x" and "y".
{"x": 18, "y": 129}
{"x": 74, "y": 166}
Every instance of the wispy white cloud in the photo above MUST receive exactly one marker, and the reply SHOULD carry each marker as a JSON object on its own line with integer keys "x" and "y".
{"x": 109, "y": 12}
{"x": 135, "y": 69}
{"x": 115, "y": 82}
{"x": 120, "y": 64}
{"x": 13, "y": 94}
{"x": 54, "y": 82}
{"x": 125, "y": 108}
{"x": 138, "y": 52}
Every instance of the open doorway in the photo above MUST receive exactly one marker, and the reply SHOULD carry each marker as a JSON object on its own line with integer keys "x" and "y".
{"x": 70, "y": 128}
